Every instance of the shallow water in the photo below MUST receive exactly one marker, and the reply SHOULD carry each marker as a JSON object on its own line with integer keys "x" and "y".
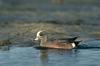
{"x": 29, "y": 56}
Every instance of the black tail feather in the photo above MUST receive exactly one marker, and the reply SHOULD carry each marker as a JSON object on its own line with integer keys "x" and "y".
{"x": 72, "y": 39}
{"x": 77, "y": 42}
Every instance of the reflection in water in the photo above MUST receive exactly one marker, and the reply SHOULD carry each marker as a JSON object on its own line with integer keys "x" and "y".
{"x": 28, "y": 56}
{"x": 44, "y": 57}
{"x": 5, "y": 48}
{"x": 62, "y": 51}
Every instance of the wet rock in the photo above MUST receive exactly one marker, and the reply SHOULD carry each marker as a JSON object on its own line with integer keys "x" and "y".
{"x": 5, "y": 42}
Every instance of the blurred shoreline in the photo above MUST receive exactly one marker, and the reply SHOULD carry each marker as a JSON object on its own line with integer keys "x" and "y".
{"x": 20, "y": 20}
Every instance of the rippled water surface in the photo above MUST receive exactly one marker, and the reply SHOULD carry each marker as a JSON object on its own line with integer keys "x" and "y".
{"x": 29, "y": 56}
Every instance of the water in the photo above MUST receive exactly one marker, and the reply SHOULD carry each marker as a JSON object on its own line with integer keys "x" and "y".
{"x": 29, "y": 56}
{"x": 46, "y": 10}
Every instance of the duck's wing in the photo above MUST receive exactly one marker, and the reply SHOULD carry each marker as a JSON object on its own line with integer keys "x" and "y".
{"x": 70, "y": 40}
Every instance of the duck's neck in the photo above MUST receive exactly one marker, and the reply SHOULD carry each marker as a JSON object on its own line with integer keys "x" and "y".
{"x": 44, "y": 41}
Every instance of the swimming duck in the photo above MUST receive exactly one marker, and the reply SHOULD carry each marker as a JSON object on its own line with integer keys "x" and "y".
{"x": 55, "y": 44}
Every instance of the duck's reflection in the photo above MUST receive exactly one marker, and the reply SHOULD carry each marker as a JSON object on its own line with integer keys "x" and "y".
{"x": 45, "y": 55}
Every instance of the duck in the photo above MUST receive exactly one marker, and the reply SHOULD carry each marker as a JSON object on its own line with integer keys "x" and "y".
{"x": 44, "y": 43}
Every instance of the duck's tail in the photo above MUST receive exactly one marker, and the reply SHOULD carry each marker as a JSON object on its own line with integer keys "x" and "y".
{"x": 72, "y": 39}
{"x": 77, "y": 42}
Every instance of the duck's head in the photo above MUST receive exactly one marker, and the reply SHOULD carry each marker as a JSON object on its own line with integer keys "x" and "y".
{"x": 40, "y": 35}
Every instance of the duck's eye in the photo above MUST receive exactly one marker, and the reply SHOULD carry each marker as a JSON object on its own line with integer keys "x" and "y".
{"x": 41, "y": 34}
